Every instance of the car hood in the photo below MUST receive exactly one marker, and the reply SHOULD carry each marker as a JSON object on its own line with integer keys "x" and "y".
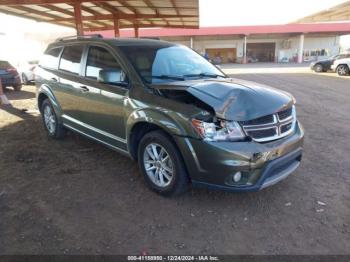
{"x": 234, "y": 99}
{"x": 325, "y": 61}
{"x": 343, "y": 60}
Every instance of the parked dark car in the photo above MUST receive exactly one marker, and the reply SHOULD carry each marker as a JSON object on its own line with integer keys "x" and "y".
{"x": 325, "y": 65}
{"x": 168, "y": 108}
{"x": 9, "y": 76}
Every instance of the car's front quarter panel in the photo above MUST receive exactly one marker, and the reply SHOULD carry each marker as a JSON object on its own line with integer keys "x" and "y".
{"x": 174, "y": 117}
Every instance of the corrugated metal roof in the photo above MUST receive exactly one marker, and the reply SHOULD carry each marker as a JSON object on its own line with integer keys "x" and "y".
{"x": 168, "y": 13}
{"x": 337, "y": 13}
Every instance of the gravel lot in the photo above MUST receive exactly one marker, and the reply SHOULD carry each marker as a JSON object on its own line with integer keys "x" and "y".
{"x": 77, "y": 197}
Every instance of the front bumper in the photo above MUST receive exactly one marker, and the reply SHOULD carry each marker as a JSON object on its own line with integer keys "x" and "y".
{"x": 214, "y": 164}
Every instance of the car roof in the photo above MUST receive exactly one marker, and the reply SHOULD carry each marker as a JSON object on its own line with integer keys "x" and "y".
{"x": 114, "y": 41}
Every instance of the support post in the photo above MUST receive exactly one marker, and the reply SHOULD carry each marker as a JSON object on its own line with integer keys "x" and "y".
{"x": 136, "y": 28}
{"x": 78, "y": 19}
{"x": 116, "y": 27}
{"x": 301, "y": 49}
{"x": 245, "y": 50}
{"x": 191, "y": 42}
{"x": 3, "y": 97}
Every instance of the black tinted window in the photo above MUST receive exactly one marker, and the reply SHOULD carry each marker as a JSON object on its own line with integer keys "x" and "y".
{"x": 50, "y": 58}
{"x": 70, "y": 59}
{"x": 100, "y": 59}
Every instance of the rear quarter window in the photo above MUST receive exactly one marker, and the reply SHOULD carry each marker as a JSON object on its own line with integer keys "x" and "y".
{"x": 50, "y": 58}
{"x": 70, "y": 59}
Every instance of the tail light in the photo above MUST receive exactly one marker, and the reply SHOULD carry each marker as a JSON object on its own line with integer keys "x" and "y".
{"x": 12, "y": 70}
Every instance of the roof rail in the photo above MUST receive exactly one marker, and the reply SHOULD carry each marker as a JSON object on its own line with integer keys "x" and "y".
{"x": 78, "y": 37}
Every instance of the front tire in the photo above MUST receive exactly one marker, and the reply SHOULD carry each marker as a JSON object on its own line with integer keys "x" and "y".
{"x": 318, "y": 68}
{"x": 343, "y": 70}
{"x": 53, "y": 128}
{"x": 162, "y": 165}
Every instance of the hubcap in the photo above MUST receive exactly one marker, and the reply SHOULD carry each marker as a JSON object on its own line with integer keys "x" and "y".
{"x": 158, "y": 165}
{"x": 50, "y": 120}
{"x": 342, "y": 70}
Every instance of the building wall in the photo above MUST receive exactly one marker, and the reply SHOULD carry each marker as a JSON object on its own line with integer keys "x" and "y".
{"x": 286, "y": 46}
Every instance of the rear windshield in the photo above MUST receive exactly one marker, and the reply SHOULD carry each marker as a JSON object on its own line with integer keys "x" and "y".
{"x": 4, "y": 64}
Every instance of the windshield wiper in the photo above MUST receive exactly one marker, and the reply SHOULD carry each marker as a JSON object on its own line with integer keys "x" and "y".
{"x": 205, "y": 75}
{"x": 173, "y": 77}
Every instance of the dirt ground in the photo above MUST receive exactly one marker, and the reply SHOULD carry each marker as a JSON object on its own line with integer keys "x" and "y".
{"x": 77, "y": 197}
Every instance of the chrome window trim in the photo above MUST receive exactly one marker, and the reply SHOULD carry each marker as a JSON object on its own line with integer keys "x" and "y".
{"x": 117, "y": 138}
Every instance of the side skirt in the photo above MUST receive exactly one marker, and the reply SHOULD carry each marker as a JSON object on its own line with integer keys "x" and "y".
{"x": 122, "y": 151}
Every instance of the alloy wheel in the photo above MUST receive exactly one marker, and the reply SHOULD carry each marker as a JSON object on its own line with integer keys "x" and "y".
{"x": 158, "y": 165}
{"x": 49, "y": 119}
{"x": 342, "y": 70}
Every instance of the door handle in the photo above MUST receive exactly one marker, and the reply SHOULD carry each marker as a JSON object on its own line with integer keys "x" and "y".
{"x": 84, "y": 88}
{"x": 54, "y": 79}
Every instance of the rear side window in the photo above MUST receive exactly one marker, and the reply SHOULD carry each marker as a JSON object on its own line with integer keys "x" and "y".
{"x": 99, "y": 59}
{"x": 70, "y": 59}
{"x": 50, "y": 58}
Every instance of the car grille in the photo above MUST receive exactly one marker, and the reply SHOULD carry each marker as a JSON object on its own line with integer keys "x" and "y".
{"x": 271, "y": 127}
{"x": 259, "y": 121}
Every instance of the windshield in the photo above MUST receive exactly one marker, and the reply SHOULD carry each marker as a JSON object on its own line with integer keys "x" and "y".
{"x": 164, "y": 63}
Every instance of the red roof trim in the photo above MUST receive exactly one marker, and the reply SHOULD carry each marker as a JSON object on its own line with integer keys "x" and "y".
{"x": 236, "y": 30}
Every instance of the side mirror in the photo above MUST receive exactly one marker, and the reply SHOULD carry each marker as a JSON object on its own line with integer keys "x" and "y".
{"x": 112, "y": 76}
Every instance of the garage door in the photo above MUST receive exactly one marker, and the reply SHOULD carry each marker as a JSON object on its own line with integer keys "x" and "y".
{"x": 261, "y": 52}
{"x": 222, "y": 55}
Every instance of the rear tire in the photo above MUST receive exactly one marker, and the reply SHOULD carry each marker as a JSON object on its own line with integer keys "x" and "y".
{"x": 162, "y": 165}
{"x": 53, "y": 128}
{"x": 343, "y": 70}
{"x": 17, "y": 87}
{"x": 318, "y": 68}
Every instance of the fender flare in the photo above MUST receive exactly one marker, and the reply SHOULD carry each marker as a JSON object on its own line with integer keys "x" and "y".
{"x": 155, "y": 117}
{"x": 46, "y": 90}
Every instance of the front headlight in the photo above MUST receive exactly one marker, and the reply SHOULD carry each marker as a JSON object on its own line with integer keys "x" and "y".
{"x": 221, "y": 131}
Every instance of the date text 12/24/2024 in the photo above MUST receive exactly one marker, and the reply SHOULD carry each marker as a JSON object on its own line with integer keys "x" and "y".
{"x": 173, "y": 258}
